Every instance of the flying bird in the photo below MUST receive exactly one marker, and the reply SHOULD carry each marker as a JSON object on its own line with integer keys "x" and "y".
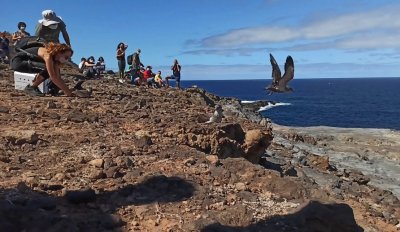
{"x": 280, "y": 83}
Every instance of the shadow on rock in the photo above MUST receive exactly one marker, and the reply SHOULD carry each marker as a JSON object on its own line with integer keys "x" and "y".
{"x": 314, "y": 217}
{"x": 22, "y": 209}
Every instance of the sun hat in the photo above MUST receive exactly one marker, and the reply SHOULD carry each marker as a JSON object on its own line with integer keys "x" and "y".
{"x": 49, "y": 18}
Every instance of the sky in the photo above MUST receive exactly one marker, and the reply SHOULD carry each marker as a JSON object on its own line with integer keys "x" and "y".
{"x": 230, "y": 39}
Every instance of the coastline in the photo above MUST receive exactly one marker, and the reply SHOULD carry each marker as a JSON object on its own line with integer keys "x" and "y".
{"x": 374, "y": 152}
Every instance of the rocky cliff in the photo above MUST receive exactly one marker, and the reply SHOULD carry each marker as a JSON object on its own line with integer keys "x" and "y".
{"x": 143, "y": 159}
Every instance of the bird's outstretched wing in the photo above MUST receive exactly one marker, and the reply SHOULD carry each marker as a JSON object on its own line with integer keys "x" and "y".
{"x": 276, "y": 72}
{"x": 289, "y": 71}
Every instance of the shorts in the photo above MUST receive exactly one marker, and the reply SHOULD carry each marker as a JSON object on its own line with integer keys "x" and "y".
{"x": 20, "y": 64}
{"x": 177, "y": 78}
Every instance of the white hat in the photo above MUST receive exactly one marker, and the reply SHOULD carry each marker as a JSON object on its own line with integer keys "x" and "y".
{"x": 49, "y": 18}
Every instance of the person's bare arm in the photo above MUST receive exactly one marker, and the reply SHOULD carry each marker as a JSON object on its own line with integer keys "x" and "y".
{"x": 120, "y": 53}
{"x": 15, "y": 37}
{"x": 54, "y": 73}
{"x": 87, "y": 64}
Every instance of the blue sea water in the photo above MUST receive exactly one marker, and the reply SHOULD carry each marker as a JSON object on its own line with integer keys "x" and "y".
{"x": 338, "y": 102}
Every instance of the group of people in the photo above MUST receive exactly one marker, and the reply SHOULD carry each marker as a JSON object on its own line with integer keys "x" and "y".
{"x": 48, "y": 58}
{"x": 90, "y": 69}
{"x": 5, "y": 42}
{"x": 139, "y": 75}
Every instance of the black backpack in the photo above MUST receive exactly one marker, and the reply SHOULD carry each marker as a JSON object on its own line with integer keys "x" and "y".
{"x": 29, "y": 42}
{"x": 32, "y": 61}
{"x": 129, "y": 59}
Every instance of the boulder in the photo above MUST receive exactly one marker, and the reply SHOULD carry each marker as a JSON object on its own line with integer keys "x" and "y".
{"x": 99, "y": 163}
{"x": 142, "y": 139}
{"x": 21, "y": 137}
{"x": 256, "y": 142}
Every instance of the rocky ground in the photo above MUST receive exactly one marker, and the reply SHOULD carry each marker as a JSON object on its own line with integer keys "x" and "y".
{"x": 142, "y": 159}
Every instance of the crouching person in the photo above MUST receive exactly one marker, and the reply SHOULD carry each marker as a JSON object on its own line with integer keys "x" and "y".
{"x": 45, "y": 62}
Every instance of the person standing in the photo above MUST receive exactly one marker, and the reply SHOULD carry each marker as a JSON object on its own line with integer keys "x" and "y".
{"x": 176, "y": 74}
{"x": 4, "y": 47}
{"x": 136, "y": 65}
{"x": 121, "y": 48}
{"x": 50, "y": 26}
{"x": 21, "y": 33}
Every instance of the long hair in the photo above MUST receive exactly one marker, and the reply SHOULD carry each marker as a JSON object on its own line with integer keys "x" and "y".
{"x": 55, "y": 48}
{"x": 119, "y": 45}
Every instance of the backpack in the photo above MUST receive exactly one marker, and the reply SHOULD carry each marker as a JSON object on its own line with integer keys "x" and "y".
{"x": 130, "y": 59}
{"x": 33, "y": 61}
{"x": 29, "y": 42}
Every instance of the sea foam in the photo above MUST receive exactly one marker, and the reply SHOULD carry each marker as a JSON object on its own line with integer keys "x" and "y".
{"x": 271, "y": 105}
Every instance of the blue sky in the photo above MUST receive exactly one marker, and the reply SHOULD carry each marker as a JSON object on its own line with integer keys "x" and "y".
{"x": 231, "y": 39}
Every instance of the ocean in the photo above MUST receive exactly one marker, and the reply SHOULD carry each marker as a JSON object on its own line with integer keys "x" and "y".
{"x": 335, "y": 102}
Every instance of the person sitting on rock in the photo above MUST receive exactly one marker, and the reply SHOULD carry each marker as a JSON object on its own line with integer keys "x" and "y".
{"x": 46, "y": 65}
{"x": 139, "y": 80}
{"x": 147, "y": 75}
{"x": 88, "y": 70}
{"x": 81, "y": 65}
{"x": 100, "y": 66}
{"x": 21, "y": 33}
{"x": 158, "y": 80}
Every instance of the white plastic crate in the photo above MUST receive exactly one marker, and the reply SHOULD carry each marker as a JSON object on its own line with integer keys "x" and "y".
{"x": 21, "y": 80}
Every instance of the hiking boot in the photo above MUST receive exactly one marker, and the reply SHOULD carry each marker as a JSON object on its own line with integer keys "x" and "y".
{"x": 33, "y": 91}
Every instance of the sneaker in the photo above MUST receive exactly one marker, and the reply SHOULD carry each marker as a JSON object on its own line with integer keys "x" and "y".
{"x": 33, "y": 91}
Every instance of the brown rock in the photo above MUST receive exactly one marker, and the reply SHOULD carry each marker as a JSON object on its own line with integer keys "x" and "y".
{"x": 142, "y": 139}
{"x": 124, "y": 162}
{"x": 22, "y": 136}
{"x": 240, "y": 186}
{"x": 76, "y": 116}
{"x": 97, "y": 163}
{"x": 256, "y": 143}
{"x": 214, "y": 160}
{"x": 96, "y": 174}
{"x": 320, "y": 162}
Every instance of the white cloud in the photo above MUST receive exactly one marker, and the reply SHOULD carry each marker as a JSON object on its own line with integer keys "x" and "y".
{"x": 227, "y": 52}
{"x": 383, "y": 19}
{"x": 371, "y": 41}
{"x": 360, "y": 42}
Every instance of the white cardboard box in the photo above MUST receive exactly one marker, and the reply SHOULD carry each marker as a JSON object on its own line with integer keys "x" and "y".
{"x": 21, "y": 80}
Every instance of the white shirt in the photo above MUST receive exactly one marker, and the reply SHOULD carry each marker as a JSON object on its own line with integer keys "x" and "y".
{"x": 81, "y": 64}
